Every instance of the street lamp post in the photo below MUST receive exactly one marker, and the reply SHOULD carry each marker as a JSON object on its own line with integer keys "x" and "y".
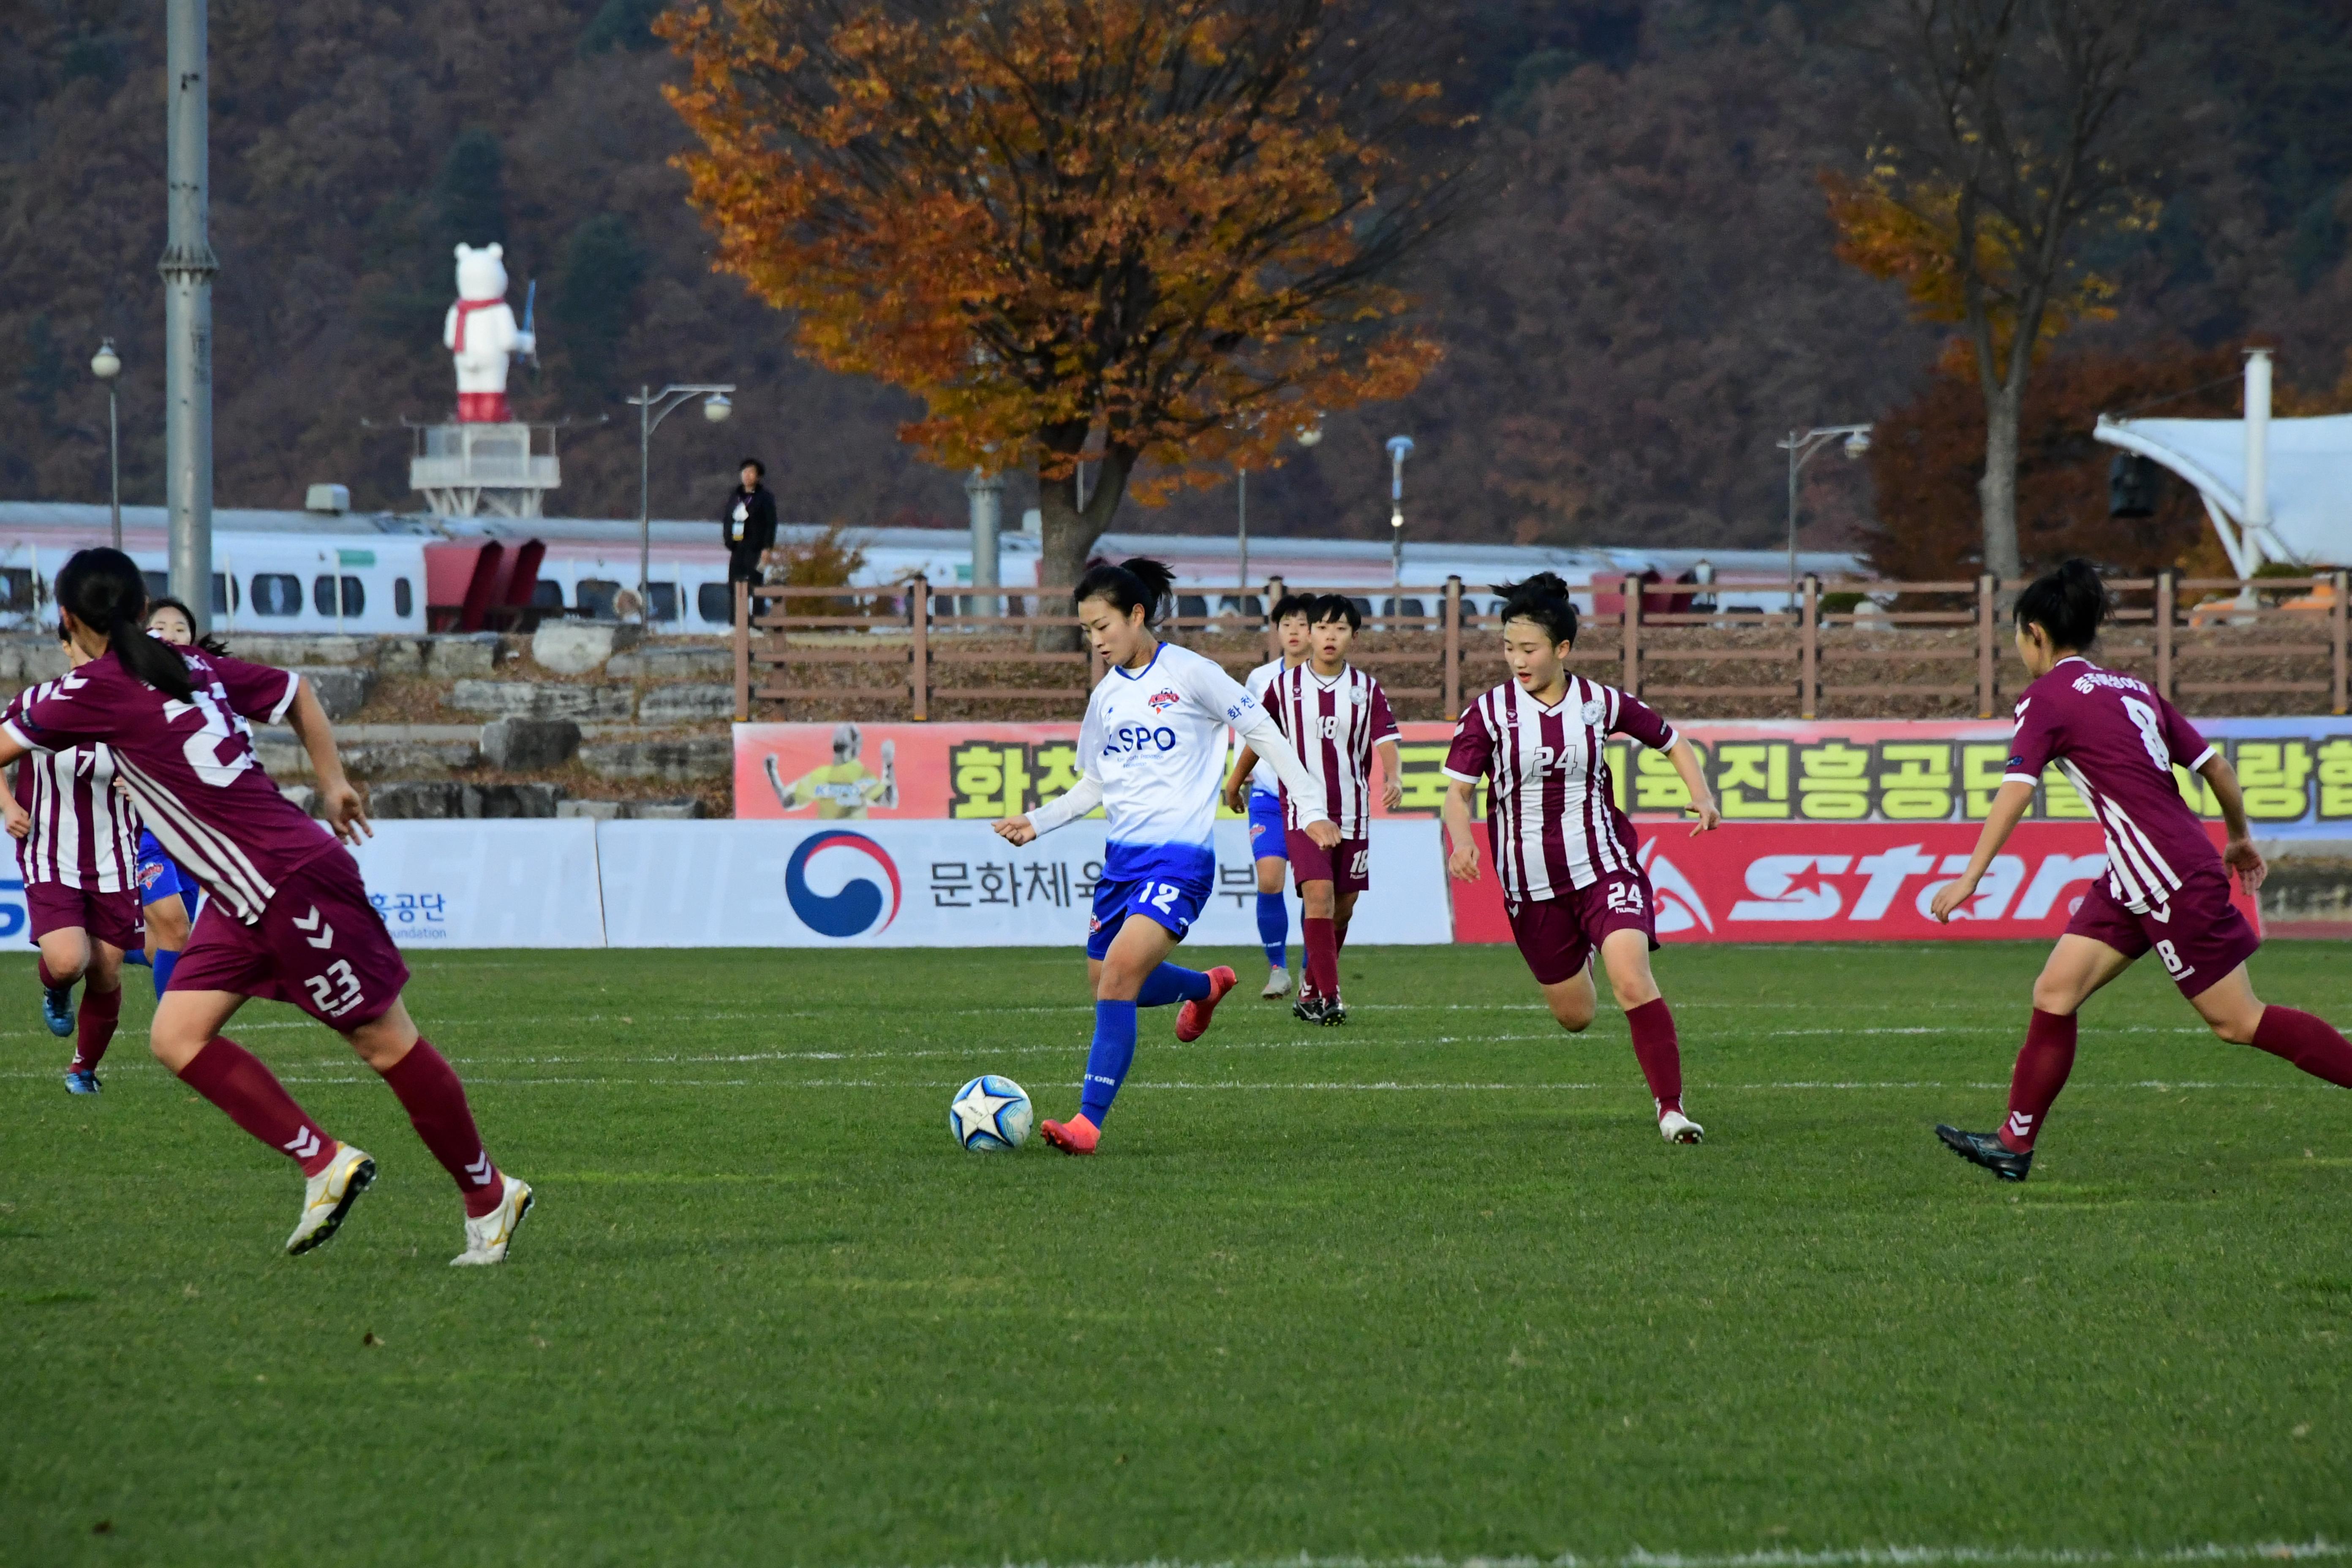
{"x": 1801, "y": 447}
{"x": 1400, "y": 448}
{"x": 1307, "y": 438}
{"x": 653, "y": 407}
{"x": 106, "y": 364}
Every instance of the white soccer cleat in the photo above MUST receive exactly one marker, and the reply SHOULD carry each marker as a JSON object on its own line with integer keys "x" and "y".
{"x": 1676, "y": 1127}
{"x": 1277, "y": 985}
{"x": 328, "y": 1196}
{"x": 486, "y": 1238}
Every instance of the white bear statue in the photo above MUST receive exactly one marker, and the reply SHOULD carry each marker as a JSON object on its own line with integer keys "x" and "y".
{"x": 480, "y": 332}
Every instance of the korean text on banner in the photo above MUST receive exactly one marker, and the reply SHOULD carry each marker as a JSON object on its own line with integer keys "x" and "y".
{"x": 944, "y": 884}
{"x": 486, "y": 884}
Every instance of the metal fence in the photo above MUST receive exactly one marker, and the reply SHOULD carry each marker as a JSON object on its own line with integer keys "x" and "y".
{"x": 910, "y": 647}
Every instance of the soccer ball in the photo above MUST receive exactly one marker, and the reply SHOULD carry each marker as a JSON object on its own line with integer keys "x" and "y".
{"x": 990, "y": 1114}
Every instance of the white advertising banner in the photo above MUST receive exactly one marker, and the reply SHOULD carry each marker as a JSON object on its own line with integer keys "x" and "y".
{"x": 486, "y": 884}
{"x": 947, "y": 884}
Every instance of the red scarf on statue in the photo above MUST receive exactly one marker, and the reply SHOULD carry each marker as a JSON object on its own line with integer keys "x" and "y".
{"x": 466, "y": 308}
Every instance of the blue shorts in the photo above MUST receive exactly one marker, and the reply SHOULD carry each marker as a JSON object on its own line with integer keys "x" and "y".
{"x": 1266, "y": 828}
{"x": 1175, "y": 905}
{"x": 159, "y": 875}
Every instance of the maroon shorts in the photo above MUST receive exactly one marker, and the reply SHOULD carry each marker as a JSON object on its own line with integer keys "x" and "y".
{"x": 2200, "y": 935}
{"x": 113, "y": 919}
{"x": 320, "y": 945}
{"x": 1349, "y": 868}
{"x": 1558, "y": 936}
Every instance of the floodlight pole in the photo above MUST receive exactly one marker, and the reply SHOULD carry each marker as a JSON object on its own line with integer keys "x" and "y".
{"x": 1400, "y": 448}
{"x": 188, "y": 267}
{"x": 653, "y": 407}
{"x": 1802, "y": 447}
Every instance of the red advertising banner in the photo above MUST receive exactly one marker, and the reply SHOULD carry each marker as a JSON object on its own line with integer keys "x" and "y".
{"x": 1861, "y": 882}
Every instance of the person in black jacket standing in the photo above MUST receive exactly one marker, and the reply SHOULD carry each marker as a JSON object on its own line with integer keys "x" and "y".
{"x": 749, "y": 523}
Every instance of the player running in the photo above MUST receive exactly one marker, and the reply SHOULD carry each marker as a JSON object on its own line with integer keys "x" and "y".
{"x": 1264, "y": 805}
{"x": 1565, "y": 854}
{"x": 76, "y": 843}
{"x": 1150, "y": 753}
{"x": 287, "y": 919}
{"x": 167, "y": 895}
{"x": 1336, "y": 716}
{"x": 2117, "y": 740}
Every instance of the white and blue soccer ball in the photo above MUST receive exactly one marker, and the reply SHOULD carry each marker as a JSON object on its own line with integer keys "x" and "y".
{"x": 990, "y": 1114}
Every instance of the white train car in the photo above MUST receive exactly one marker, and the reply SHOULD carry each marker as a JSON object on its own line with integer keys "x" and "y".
{"x": 384, "y": 572}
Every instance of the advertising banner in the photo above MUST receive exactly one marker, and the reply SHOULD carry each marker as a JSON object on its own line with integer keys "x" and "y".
{"x": 486, "y": 884}
{"x": 945, "y": 884}
{"x": 1855, "y": 882}
{"x": 2297, "y": 771}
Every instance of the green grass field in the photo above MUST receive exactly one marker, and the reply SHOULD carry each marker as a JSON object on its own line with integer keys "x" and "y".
{"x": 1429, "y": 1286}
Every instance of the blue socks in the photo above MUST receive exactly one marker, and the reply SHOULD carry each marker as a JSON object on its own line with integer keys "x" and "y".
{"x": 1273, "y": 929}
{"x": 1168, "y": 983}
{"x": 1111, "y": 1054}
{"x": 165, "y": 964}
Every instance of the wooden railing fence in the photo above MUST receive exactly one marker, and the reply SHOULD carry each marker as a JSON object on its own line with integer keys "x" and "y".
{"x": 911, "y": 645}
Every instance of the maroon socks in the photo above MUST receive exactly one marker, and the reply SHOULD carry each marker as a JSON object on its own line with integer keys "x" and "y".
{"x": 1322, "y": 957}
{"x": 2311, "y": 1043}
{"x": 94, "y": 1026}
{"x": 2042, "y": 1068}
{"x": 429, "y": 1092}
{"x": 1655, "y": 1049}
{"x": 233, "y": 1079}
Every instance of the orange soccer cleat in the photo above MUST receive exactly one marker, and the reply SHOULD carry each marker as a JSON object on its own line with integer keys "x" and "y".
{"x": 1193, "y": 1018}
{"x": 1075, "y": 1136}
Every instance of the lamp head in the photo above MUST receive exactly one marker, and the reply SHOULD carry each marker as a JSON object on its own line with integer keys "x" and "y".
{"x": 1858, "y": 444}
{"x": 1312, "y": 435}
{"x": 1400, "y": 448}
{"x": 716, "y": 408}
{"x": 106, "y": 364}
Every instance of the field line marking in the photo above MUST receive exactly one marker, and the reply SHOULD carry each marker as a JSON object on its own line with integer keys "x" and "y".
{"x": 2318, "y": 1549}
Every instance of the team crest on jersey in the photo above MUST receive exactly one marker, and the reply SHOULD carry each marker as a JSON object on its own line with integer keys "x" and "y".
{"x": 1162, "y": 700}
{"x": 1592, "y": 710}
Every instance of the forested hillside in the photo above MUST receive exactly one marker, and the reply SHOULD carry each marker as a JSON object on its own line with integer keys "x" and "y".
{"x": 1644, "y": 301}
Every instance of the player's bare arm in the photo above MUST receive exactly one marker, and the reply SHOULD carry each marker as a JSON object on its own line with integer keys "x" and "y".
{"x": 2238, "y": 853}
{"x": 2008, "y": 809}
{"x": 1701, "y": 806}
{"x": 1462, "y": 857}
{"x": 344, "y": 810}
{"x": 1239, "y": 782}
{"x": 1391, "y": 776}
{"x": 1015, "y": 829}
{"x": 19, "y": 820}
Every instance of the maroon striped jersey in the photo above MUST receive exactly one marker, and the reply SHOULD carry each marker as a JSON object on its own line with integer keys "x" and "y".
{"x": 1551, "y": 817}
{"x": 84, "y": 834}
{"x": 2117, "y": 740}
{"x": 1334, "y": 725}
{"x": 190, "y": 767}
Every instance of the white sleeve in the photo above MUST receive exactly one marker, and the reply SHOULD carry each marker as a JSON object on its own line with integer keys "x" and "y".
{"x": 1266, "y": 738}
{"x": 1082, "y": 798}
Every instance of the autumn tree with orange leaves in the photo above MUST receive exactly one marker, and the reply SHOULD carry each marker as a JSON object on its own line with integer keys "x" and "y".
{"x": 1155, "y": 235}
{"x": 2014, "y": 136}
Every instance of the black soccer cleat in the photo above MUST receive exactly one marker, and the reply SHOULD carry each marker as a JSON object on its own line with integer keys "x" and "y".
{"x": 1986, "y": 1149}
{"x": 1309, "y": 1009}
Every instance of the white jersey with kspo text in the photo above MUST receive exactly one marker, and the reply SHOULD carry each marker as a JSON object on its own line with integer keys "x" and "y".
{"x": 1262, "y": 777}
{"x": 1155, "y": 740}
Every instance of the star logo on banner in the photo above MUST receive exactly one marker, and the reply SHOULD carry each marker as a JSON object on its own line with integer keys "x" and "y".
{"x": 976, "y": 1111}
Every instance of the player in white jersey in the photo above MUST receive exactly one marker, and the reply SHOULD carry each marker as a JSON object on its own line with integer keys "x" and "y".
{"x": 1150, "y": 753}
{"x": 1264, "y": 807}
{"x": 1572, "y": 882}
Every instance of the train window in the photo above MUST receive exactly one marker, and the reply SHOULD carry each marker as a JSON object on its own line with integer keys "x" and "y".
{"x": 716, "y": 603}
{"x": 665, "y": 598}
{"x": 322, "y": 596}
{"x": 1191, "y": 605}
{"x": 1406, "y": 608}
{"x": 228, "y": 596}
{"x": 593, "y": 597}
{"x": 546, "y": 594}
{"x": 277, "y": 594}
{"x": 1363, "y": 607}
{"x": 159, "y": 584}
{"x": 17, "y": 586}
{"x": 1248, "y": 604}
{"x": 404, "y": 598}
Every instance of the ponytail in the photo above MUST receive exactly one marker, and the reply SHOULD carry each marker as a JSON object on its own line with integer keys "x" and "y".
{"x": 2069, "y": 604}
{"x": 102, "y": 589}
{"x": 1138, "y": 581}
{"x": 1543, "y": 599}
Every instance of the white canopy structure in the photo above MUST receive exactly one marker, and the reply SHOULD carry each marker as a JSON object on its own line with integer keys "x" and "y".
{"x": 2276, "y": 489}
